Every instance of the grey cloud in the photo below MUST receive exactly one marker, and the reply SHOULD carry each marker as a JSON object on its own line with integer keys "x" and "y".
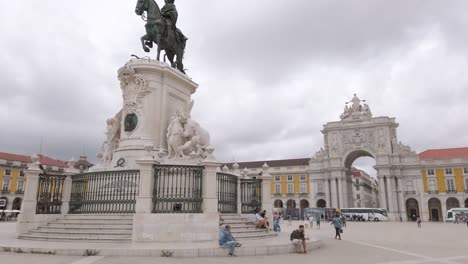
{"x": 271, "y": 73}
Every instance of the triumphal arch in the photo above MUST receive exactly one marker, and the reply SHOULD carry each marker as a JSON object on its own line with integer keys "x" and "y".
{"x": 359, "y": 134}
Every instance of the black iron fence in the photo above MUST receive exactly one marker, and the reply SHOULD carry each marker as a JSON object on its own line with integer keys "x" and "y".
{"x": 227, "y": 193}
{"x": 110, "y": 192}
{"x": 251, "y": 195}
{"x": 49, "y": 194}
{"x": 177, "y": 189}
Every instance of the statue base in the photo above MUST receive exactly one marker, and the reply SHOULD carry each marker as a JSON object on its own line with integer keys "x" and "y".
{"x": 152, "y": 94}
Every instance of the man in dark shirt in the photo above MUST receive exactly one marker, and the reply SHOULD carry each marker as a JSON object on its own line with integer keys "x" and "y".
{"x": 298, "y": 239}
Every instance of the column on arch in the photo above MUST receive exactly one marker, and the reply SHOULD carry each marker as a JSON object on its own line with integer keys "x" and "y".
{"x": 401, "y": 198}
{"x": 383, "y": 193}
{"x": 392, "y": 200}
{"x": 341, "y": 193}
{"x": 333, "y": 193}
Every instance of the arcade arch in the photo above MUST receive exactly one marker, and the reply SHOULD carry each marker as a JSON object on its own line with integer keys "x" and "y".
{"x": 17, "y": 204}
{"x": 435, "y": 210}
{"x": 452, "y": 203}
{"x": 412, "y": 209}
{"x": 291, "y": 204}
{"x": 304, "y": 204}
{"x": 278, "y": 204}
{"x": 321, "y": 203}
{"x": 466, "y": 203}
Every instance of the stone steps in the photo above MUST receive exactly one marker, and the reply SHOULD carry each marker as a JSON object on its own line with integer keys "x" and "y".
{"x": 244, "y": 229}
{"x": 98, "y": 217}
{"x": 65, "y": 238}
{"x": 43, "y": 230}
{"x": 93, "y": 221}
{"x": 92, "y": 228}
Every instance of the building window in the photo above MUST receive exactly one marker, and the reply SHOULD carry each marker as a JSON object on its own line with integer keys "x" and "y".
{"x": 465, "y": 171}
{"x": 290, "y": 178}
{"x": 7, "y": 172}
{"x": 290, "y": 188}
{"x": 432, "y": 185}
{"x": 450, "y": 185}
{"x": 21, "y": 173}
{"x": 277, "y": 178}
{"x": 409, "y": 186}
{"x": 303, "y": 188}
{"x": 20, "y": 186}
{"x": 320, "y": 187}
{"x": 303, "y": 178}
{"x": 359, "y": 197}
{"x": 6, "y": 184}
{"x": 278, "y": 188}
{"x": 430, "y": 172}
{"x": 448, "y": 171}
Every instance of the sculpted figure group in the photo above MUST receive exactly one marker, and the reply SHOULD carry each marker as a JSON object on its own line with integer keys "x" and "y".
{"x": 185, "y": 137}
{"x": 356, "y": 109}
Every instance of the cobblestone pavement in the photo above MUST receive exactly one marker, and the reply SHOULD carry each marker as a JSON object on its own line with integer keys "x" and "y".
{"x": 363, "y": 243}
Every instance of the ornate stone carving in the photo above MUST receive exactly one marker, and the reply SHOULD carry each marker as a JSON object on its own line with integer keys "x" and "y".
{"x": 405, "y": 150}
{"x": 320, "y": 155}
{"x": 134, "y": 89}
{"x": 356, "y": 110}
{"x": 359, "y": 139}
{"x": 112, "y": 139}
{"x": 185, "y": 136}
{"x": 335, "y": 143}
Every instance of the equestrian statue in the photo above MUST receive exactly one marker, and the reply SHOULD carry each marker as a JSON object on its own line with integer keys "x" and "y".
{"x": 161, "y": 29}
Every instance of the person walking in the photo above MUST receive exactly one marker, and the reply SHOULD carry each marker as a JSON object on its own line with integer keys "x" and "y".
{"x": 336, "y": 221}
{"x": 317, "y": 221}
{"x": 418, "y": 220}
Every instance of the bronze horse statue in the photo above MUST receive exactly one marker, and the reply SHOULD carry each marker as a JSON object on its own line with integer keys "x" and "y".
{"x": 161, "y": 29}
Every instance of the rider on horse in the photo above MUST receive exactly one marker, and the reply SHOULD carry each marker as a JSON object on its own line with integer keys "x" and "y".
{"x": 170, "y": 15}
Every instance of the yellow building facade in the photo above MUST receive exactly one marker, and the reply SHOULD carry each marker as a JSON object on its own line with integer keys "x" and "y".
{"x": 444, "y": 185}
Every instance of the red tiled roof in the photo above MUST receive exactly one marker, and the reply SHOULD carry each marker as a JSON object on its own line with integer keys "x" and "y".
{"x": 272, "y": 163}
{"x": 444, "y": 153}
{"x": 27, "y": 159}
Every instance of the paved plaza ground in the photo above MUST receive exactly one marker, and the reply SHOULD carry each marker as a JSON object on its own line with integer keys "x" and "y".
{"x": 384, "y": 243}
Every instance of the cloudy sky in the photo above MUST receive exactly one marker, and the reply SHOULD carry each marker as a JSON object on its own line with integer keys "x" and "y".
{"x": 277, "y": 69}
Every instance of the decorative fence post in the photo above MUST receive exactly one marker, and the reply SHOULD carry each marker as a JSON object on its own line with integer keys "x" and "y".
{"x": 71, "y": 170}
{"x": 26, "y": 219}
{"x": 266, "y": 195}
{"x": 210, "y": 195}
{"x": 144, "y": 203}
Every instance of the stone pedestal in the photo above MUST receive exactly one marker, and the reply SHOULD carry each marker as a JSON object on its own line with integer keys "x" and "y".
{"x": 152, "y": 93}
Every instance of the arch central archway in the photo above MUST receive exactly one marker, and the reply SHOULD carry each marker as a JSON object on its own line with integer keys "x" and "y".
{"x": 354, "y": 155}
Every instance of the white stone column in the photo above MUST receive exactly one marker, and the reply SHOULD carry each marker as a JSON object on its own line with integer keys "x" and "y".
{"x": 391, "y": 191}
{"x": 444, "y": 209}
{"x": 144, "y": 201}
{"x": 401, "y": 199}
{"x": 341, "y": 194}
{"x": 334, "y": 196}
{"x": 382, "y": 193}
{"x": 26, "y": 219}
{"x": 328, "y": 194}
